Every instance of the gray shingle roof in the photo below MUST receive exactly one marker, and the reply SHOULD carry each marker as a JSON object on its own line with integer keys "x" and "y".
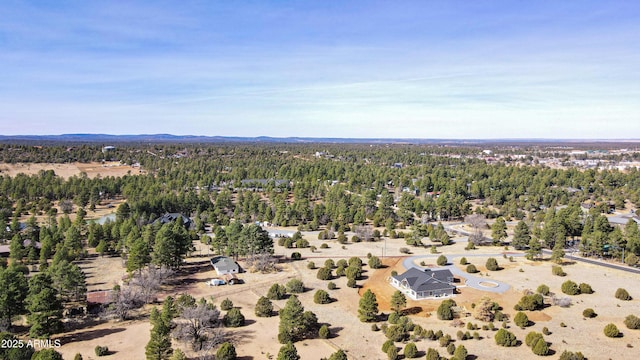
{"x": 223, "y": 263}
{"x": 426, "y": 280}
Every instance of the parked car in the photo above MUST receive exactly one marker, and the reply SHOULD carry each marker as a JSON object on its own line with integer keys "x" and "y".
{"x": 216, "y": 282}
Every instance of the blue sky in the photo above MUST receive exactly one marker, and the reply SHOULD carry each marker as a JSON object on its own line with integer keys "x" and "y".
{"x": 409, "y": 69}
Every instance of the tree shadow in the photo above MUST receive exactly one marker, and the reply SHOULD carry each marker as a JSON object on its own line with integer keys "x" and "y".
{"x": 334, "y": 330}
{"x": 89, "y": 335}
{"x": 412, "y": 310}
{"x": 248, "y": 322}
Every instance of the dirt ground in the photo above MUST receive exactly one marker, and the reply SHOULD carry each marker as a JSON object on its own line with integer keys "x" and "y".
{"x": 258, "y": 339}
{"x": 93, "y": 169}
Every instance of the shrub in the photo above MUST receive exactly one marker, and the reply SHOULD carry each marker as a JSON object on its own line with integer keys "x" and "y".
{"x": 323, "y": 332}
{"x": 451, "y": 348}
{"x": 543, "y": 289}
{"x": 570, "y": 288}
{"x": 392, "y": 353}
{"x": 546, "y": 331}
{"x": 557, "y": 270}
{"x": 226, "y": 351}
{"x": 530, "y": 302}
{"x": 324, "y": 273}
{"x": 532, "y": 338}
{"x": 226, "y": 304}
{"x": 101, "y": 350}
{"x": 296, "y": 256}
{"x": 233, "y": 318}
{"x": 405, "y": 250}
{"x": 521, "y": 319}
{"x": 460, "y": 353}
{"x": 622, "y": 294}
{"x": 374, "y": 327}
{"x": 351, "y": 283}
{"x": 442, "y": 260}
{"x": 444, "y": 310}
{"x": 585, "y": 288}
{"x": 321, "y": 297}
{"x": 331, "y": 285}
{"x": 505, "y": 338}
{"x": 311, "y": 265}
{"x": 295, "y": 286}
{"x": 632, "y": 322}
{"x": 432, "y": 354}
{"x": 410, "y": 351}
{"x": 540, "y": 347}
{"x": 444, "y": 340}
{"x": 324, "y": 246}
{"x": 374, "y": 262}
{"x": 340, "y": 271}
{"x": 387, "y": 345}
{"x": 393, "y": 318}
{"x": 276, "y": 292}
{"x": 471, "y": 269}
{"x": 611, "y": 330}
{"x": 589, "y": 313}
{"x": 492, "y": 264}
{"x": 568, "y": 355}
{"x": 264, "y": 307}
{"x": 78, "y": 356}
{"x": 463, "y": 261}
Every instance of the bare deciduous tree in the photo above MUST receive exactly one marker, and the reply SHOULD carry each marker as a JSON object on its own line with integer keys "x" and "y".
{"x": 262, "y": 262}
{"x": 125, "y": 299}
{"x": 364, "y": 232}
{"x": 149, "y": 280}
{"x": 478, "y": 223}
{"x": 199, "y": 326}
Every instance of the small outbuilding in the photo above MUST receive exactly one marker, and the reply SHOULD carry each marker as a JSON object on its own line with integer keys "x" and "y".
{"x": 224, "y": 265}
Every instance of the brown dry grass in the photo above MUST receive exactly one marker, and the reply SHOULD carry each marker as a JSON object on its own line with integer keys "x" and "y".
{"x": 65, "y": 171}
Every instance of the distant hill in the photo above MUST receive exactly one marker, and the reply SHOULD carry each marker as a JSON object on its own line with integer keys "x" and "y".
{"x": 168, "y": 138}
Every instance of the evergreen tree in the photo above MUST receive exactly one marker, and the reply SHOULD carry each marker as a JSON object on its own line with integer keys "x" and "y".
{"x": 139, "y": 255}
{"x": 264, "y": 307}
{"x": 398, "y": 301}
{"x": 368, "y": 309}
{"x": 338, "y": 355}
{"x": 13, "y": 291}
{"x": 521, "y": 236}
{"x": 499, "y": 230}
{"x": 288, "y": 352}
{"x": 45, "y": 309}
{"x": 172, "y": 242}
{"x": 226, "y": 352}
{"x": 159, "y": 345}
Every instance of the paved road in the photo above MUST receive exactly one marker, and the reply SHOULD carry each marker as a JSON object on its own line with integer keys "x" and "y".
{"x": 597, "y": 262}
{"x": 470, "y": 280}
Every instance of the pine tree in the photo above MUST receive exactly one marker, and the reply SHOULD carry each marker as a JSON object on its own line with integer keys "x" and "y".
{"x": 226, "y": 352}
{"x": 288, "y": 352}
{"x": 499, "y": 230}
{"x": 521, "y": 236}
{"x": 368, "y": 309}
{"x": 45, "y": 309}
{"x": 291, "y": 320}
{"x": 13, "y": 291}
{"x": 159, "y": 345}
{"x": 264, "y": 307}
{"x": 398, "y": 301}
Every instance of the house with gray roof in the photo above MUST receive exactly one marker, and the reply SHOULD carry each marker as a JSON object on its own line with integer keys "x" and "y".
{"x": 420, "y": 284}
{"x": 171, "y": 217}
{"x": 224, "y": 265}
